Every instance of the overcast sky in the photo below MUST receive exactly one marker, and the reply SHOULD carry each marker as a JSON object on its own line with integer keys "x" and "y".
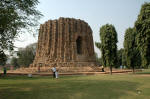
{"x": 121, "y": 13}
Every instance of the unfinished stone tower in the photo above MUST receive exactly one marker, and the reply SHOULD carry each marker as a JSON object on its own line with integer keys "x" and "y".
{"x": 66, "y": 43}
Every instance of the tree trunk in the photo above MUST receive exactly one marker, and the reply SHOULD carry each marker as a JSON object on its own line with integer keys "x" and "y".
{"x": 133, "y": 70}
{"x": 111, "y": 70}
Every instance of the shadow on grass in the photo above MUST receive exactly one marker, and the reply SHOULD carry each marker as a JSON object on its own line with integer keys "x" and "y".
{"x": 142, "y": 72}
{"x": 45, "y": 88}
{"x": 24, "y": 77}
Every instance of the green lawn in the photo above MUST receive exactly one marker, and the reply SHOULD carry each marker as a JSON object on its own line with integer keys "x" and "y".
{"x": 121, "y": 86}
{"x": 144, "y": 71}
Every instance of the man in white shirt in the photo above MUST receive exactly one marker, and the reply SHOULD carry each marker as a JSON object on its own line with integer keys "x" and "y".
{"x": 54, "y": 70}
{"x": 56, "y": 74}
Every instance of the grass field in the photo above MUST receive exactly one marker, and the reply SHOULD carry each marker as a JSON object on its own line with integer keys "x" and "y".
{"x": 120, "y": 86}
{"x": 144, "y": 71}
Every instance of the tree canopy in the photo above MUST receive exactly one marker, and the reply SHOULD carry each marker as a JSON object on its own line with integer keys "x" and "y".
{"x": 25, "y": 56}
{"x": 16, "y": 15}
{"x": 98, "y": 60}
{"x": 120, "y": 57}
{"x": 14, "y": 62}
{"x": 142, "y": 26}
{"x": 108, "y": 45}
{"x": 3, "y": 58}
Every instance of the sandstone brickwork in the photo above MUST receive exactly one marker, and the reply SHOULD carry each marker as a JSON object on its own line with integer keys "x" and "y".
{"x": 66, "y": 42}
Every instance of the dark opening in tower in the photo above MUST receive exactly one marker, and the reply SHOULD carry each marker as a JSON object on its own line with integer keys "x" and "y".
{"x": 79, "y": 45}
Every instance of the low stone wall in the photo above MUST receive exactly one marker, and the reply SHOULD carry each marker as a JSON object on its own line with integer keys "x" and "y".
{"x": 61, "y": 69}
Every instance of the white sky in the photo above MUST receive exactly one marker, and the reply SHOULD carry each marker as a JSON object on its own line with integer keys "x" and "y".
{"x": 121, "y": 13}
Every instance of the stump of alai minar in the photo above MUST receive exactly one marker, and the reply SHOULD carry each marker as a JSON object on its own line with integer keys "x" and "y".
{"x": 66, "y": 43}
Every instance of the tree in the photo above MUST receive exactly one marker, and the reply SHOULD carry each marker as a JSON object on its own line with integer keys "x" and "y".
{"x": 16, "y": 15}
{"x": 120, "y": 57}
{"x": 26, "y": 55}
{"x": 131, "y": 52}
{"x": 124, "y": 63}
{"x": 3, "y": 58}
{"x": 14, "y": 62}
{"x": 142, "y": 26}
{"x": 108, "y": 45}
{"x": 98, "y": 60}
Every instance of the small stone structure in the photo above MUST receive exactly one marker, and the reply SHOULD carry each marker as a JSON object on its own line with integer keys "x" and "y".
{"x": 66, "y": 43}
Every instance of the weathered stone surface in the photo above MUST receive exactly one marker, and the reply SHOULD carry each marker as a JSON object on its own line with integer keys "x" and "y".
{"x": 66, "y": 42}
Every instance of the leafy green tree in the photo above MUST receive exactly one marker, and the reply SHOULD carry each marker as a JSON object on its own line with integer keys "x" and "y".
{"x": 98, "y": 60}
{"x": 120, "y": 57}
{"x": 15, "y": 16}
{"x": 26, "y": 55}
{"x": 14, "y": 62}
{"x": 131, "y": 52}
{"x": 142, "y": 26}
{"x": 3, "y": 58}
{"x": 108, "y": 45}
{"x": 124, "y": 63}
